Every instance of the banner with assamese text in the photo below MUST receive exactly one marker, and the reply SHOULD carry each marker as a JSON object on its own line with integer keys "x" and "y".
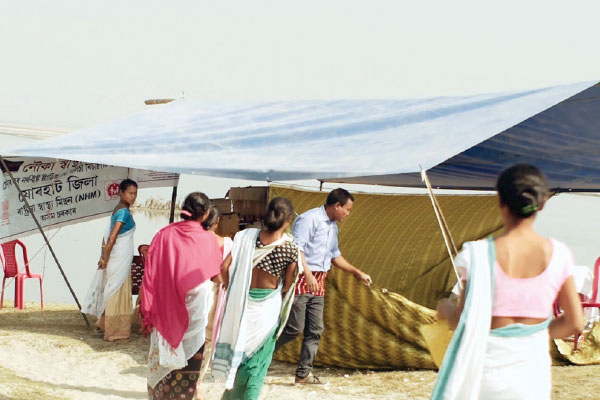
{"x": 61, "y": 192}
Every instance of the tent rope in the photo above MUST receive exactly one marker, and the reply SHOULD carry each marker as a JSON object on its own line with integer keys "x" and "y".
{"x": 44, "y": 247}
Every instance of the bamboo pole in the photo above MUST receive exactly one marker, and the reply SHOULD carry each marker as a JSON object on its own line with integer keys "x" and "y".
{"x": 450, "y": 246}
{"x": 151, "y": 102}
{"x": 173, "y": 200}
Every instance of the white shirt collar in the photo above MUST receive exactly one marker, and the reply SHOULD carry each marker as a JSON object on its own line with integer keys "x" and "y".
{"x": 324, "y": 216}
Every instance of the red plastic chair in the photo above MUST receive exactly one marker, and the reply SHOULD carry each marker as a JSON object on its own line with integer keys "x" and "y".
{"x": 593, "y": 303}
{"x": 11, "y": 270}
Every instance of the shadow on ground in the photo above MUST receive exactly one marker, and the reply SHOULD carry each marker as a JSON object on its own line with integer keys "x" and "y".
{"x": 66, "y": 321}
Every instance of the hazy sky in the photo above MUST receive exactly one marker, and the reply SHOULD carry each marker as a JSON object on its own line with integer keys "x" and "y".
{"x": 70, "y": 64}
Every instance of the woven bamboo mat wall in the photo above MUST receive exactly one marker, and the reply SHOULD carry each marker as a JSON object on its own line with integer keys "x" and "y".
{"x": 397, "y": 240}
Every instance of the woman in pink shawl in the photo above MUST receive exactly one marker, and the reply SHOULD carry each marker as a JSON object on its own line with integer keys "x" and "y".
{"x": 176, "y": 298}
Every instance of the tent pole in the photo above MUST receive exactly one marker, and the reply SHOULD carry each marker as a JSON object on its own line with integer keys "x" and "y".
{"x": 173, "y": 199}
{"x": 443, "y": 225}
{"x": 14, "y": 181}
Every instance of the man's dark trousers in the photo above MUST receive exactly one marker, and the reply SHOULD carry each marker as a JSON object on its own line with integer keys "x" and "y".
{"x": 306, "y": 316}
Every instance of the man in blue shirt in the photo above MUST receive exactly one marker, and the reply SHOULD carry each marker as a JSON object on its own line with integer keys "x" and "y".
{"x": 316, "y": 234}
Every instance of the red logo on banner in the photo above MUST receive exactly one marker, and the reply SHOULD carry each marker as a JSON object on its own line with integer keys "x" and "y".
{"x": 112, "y": 190}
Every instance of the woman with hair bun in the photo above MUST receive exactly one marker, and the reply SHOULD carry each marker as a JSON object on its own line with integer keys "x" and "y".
{"x": 109, "y": 296}
{"x": 259, "y": 273}
{"x": 504, "y": 317}
{"x": 176, "y": 298}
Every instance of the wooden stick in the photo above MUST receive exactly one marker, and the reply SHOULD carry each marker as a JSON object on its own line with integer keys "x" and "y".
{"x": 443, "y": 226}
{"x": 173, "y": 200}
{"x": 151, "y": 102}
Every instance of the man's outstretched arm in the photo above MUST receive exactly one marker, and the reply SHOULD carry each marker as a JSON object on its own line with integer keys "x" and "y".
{"x": 344, "y": 265}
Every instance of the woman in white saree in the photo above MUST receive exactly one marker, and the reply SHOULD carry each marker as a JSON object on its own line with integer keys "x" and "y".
{"x": 503, "y": 320}
{"x": 109, "y": 295}
{"x": 259, "y": 272}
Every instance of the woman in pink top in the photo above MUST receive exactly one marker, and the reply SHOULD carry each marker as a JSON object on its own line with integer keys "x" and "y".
{"x": 503, "y": 320}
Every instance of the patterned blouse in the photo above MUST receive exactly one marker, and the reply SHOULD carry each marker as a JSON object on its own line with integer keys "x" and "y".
{"x": 276, "y": 262}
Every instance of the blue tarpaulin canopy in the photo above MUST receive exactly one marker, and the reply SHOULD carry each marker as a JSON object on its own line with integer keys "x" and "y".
{"x": 563, "y": 141}
{"x": 464, "y": 142}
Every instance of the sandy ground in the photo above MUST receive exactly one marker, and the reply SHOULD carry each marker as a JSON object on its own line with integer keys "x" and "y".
{"x": 53, "y": 355}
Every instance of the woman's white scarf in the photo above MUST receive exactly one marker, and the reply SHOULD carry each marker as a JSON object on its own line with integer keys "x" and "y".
{"x": 462, "y": 368}
{"x": 246, "y": 324}
{"x": 107, "y": 282}
{"x": 162, "y": 357}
